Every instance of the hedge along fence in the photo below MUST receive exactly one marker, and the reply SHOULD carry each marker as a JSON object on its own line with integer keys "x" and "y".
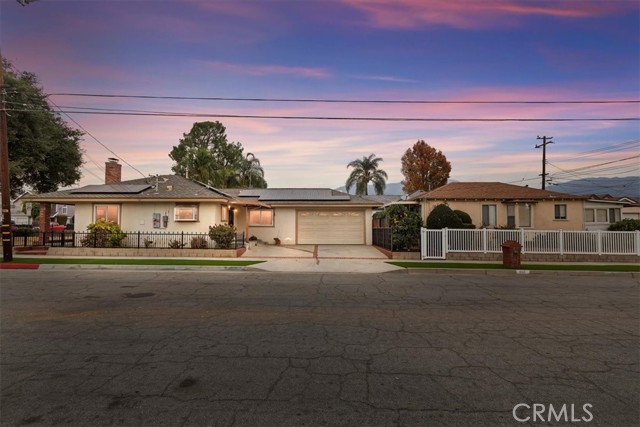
{"x": 131, "y": 240}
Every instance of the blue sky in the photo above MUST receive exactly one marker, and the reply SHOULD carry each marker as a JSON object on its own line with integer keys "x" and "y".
{"x": 502, "y": 50}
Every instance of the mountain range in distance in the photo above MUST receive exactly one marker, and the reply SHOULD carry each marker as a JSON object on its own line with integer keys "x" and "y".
{"x": 617, "y": 187}
{"x": 628, "y": 186}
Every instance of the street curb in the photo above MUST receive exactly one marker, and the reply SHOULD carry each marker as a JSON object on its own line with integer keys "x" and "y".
{"x": 141, "y": 267}
{"x": 523, "y": 272}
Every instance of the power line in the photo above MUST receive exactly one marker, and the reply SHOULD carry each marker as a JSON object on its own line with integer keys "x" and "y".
{"x": 97, "y": 140}
{"x": 339, "y": 118}
{"x": 340, "y": 101}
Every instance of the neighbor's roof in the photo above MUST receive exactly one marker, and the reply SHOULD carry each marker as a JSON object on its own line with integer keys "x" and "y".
{"x": 170, "y": 187}
{"x": 491, "y": 191}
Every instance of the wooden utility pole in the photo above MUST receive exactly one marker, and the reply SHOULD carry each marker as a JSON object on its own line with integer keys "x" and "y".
{"x": 7, "y": 248}
{"x": 545, "y": 140}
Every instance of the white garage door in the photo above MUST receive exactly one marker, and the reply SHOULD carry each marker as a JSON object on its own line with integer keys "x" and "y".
{"x": 331, "y": 227}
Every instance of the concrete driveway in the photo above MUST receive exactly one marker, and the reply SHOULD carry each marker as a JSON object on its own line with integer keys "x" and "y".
{"x": 314, "y": 251}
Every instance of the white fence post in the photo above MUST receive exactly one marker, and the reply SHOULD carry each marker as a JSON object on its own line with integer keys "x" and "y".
{"x": 484, "y": 240}
{"x": 638, "y": 242}
{"x": 599, "y": 242}
{"x": 561, "y": 242}
{"x": 522, "y": 240}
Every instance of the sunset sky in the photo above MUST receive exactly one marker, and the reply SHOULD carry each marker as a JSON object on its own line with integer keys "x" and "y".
{"x": 427, "y": 50}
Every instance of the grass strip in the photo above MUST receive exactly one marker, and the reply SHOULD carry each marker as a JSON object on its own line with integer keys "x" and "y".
{"x": 137, "y": 261}
{"x": 617, "y": 268}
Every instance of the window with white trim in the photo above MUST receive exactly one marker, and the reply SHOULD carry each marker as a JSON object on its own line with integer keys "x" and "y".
{"x": 224, "y": 213}
{"x": 614, "y": 215}
{"x": 185, "y": 213}
{"x": 109, "y": 213}
{"x": 261, "y": 217}
{"x": 595, "y": 215}
{"x": 560, "y": 212}
{"x": 524, "y": 215}
{"x": 489, "y": 216}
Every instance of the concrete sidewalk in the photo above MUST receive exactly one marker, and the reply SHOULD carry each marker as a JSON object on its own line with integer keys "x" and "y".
{"x": 325, "y": 265}
{"x": 264, "y": 251}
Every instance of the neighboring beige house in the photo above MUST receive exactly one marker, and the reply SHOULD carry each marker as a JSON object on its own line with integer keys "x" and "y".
{"x": 496, "y": 205}
{"x": 173, "y": 203}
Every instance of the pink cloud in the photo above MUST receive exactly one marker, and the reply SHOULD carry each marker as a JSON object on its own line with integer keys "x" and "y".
{"x": 268, "y": 69}
{"x": 409, "y": 14}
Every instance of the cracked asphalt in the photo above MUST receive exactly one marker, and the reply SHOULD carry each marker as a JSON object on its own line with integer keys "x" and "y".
{"x": 212, "y": 348}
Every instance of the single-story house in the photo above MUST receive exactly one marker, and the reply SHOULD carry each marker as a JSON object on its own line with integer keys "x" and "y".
{"x": 173, "y": 203}
{"x": 496, "y": 204}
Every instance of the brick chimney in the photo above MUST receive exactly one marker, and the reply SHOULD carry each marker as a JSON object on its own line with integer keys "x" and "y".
{"x": 112, "y": 171}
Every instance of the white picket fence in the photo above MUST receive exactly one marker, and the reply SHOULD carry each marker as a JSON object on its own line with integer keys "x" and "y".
{"x": 435, "y": 244}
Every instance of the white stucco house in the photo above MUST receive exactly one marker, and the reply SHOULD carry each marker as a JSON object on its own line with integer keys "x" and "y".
{"x": 173, "y": 203}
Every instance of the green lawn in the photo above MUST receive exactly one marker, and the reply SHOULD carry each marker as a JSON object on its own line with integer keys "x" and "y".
{"x": 493, "y": 266}
{"x": 140, "y": 261}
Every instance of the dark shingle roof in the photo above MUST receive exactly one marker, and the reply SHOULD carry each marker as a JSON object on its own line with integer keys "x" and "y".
{"x": 170, "y": 187}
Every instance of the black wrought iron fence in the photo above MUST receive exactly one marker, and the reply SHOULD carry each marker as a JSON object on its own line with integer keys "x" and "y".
{"x": 382, "y": 237}
{"x": 132, "y": 240}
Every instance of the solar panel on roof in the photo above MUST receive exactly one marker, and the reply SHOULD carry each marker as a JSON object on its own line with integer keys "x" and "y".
{"x": 112, "y": 189}
{"x": 295, "y": 194}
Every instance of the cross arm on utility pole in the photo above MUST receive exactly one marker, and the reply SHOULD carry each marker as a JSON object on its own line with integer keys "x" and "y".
{"x": 545, "y": 141}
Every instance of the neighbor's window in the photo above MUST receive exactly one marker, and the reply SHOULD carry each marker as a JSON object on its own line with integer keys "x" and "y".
{"x": 261, "y": 217}
{"x": 595, "y": 215}
{"x": 511, "y": 216}
{"x": 63, "y": 209}
{"x": 185, "y": 213}
{"x": 109, "y": 213}
{"x": 560, "y": 212}
{"x": 524, "y": 215}
{"x": 489, "y": 216}
{"x": 614, "y": 215}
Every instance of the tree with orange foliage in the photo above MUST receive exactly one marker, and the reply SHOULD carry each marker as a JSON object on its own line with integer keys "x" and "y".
{"x": 424, "y": 168}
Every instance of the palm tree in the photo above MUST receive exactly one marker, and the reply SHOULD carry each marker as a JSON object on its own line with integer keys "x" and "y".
{"x": 364, "y": 171}
{"x": 250, "y": 173}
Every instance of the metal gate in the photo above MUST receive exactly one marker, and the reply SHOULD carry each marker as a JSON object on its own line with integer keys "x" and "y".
{"x": 433, "y": 244}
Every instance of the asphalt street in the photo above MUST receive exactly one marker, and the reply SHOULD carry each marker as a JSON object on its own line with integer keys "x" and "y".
{"x": 216, "y": 348}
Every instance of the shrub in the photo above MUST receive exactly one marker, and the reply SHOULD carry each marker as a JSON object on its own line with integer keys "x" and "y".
{"x": 199, "y": 242}
{"x": 625, "y": 225}
{"x": 103, "y": 234}
{"x": 464, "y": 217}
{"x": 174, "y": 244}
{"x": 223, "y": 235}
{"x": 443, "y": 217}
{"x": 405, "y": 225}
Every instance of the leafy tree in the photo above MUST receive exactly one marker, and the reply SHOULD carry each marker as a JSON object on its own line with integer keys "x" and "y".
{"x": 443, "y": 217}
{"x": 364, "y": 171}
{"x": 405, "y": 225}
{"x": 424, "y": 168}
{"x": 44, "y": 152}
{"x": 204, "y": 154}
